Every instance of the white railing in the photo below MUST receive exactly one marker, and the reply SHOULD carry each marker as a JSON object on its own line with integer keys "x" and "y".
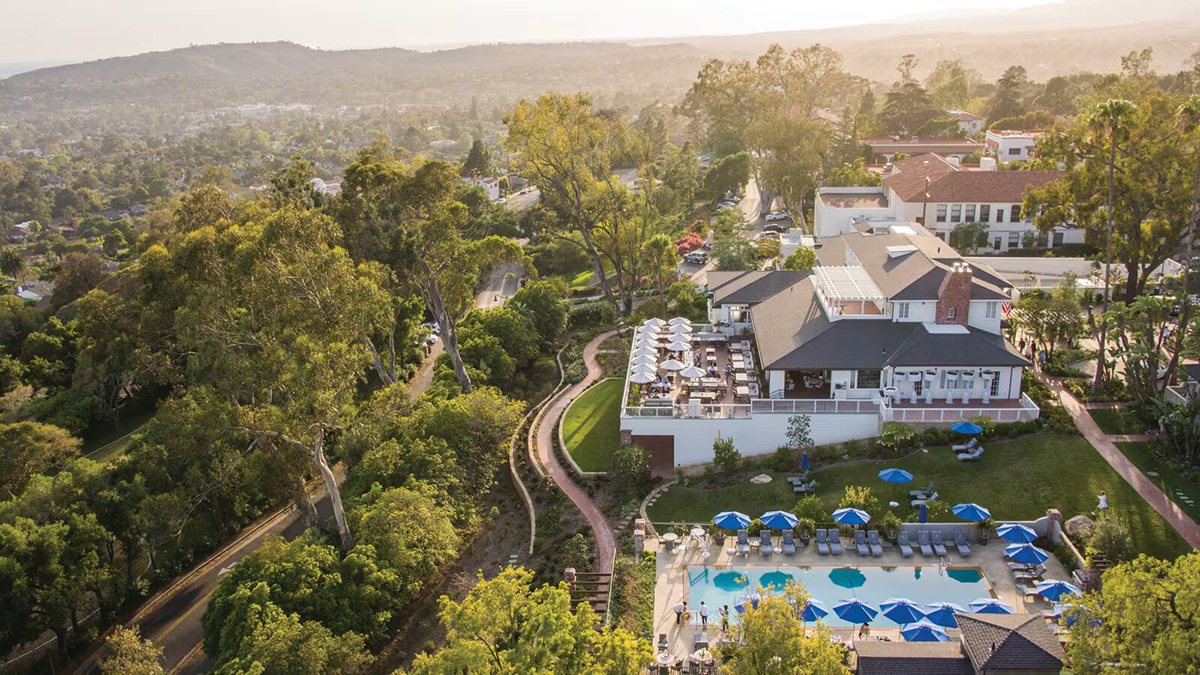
{"x": 1025, "y": 411}
{"x": 813, "y": 406}
{"x": 739, "y": 411}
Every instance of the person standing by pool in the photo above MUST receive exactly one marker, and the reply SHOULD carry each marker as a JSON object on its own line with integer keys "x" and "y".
{"x": 725, "y": 619}
{"x": 864, "y": 631}
{"x": 679, "y": 609}
{"x": 703, "y": 615}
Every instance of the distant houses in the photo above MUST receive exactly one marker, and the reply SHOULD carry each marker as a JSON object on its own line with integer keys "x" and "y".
{"x": 885, "y": 149}
{"x": 1012, "y": 145}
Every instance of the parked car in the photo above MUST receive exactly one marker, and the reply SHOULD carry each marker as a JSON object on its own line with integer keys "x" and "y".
{"x": 767, "y": 235}
{"x": 696, "y": 257}
{"x": 777, "y": 215}
{"x": 776, "y": 226}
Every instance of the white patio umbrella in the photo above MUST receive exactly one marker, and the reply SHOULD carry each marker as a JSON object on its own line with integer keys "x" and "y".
{"x": 692, "y": 372}
{"x": 646, "y": 340}
{"x": 641, "y": 378}
{"x": 679, "y": 321}
{"x": 645, "y": 358}
{"x": 655, "y": 321}
{"x": 672, "y": 364}
{"x": 643, "y": 368}
{"x": 645, "y": 350}
{"x": 679, "y": 346}
{"x": 681, "y": 328}
{"x": 647, "y": 335}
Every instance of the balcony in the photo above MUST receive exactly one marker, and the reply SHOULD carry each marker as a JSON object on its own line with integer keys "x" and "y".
{"x": 939, "y": 412}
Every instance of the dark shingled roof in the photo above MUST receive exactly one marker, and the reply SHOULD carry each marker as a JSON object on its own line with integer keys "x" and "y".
{"x": 793, "y": 333}
{"x": 1193, "y": 370}
{"x": 911, "y": 658}
{"x": 1010, "y": 642}
{"x": 748, "y": 288}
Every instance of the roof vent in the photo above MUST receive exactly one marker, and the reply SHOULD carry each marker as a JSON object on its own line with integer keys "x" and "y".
{"x": 900, "y": 251}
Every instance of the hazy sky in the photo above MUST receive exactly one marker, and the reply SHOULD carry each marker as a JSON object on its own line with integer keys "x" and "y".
{"x": 72, "y": 30}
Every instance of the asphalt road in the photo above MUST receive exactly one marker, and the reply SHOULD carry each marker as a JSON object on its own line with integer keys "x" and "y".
{"x": 518, "y": 202}
{"x": 749, "y": 206}
{"x": 175, "y": 626}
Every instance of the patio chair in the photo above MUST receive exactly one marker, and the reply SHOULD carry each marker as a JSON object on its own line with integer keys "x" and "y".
{"x": 902, "y": 542}
{"x": 835, "y": 542}
{"x": 916, "y": 503}
{"x": 960, "y": 541}
{"x": 860, "y": 540}
{"x": 923, "y": 542}
{"x": 973, "y": 456}
{"x": 939, "y": 546}
{"x": 1032, "y": 574}
{"x": 873, "y": 542}
{"x": 765, "y": 538}
{"x": 789, "y": 542}
{"x": 808, "y": 488}
{"x": 743, "y": 544}
{"x": 662, "y": 642}
{"x": 1019, "y": 568}
{"x": 822, "y": 542}
{"x": 964, "y": 447}
{"x": 921, "y": 492}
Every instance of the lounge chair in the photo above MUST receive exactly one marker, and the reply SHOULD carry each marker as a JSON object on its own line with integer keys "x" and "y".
{"x": 1031, "y": 574}
{"x": 860, "y": 540}
{"x": 835, "y": 542}
{"x": 939, "y": 546}
{"x": 902, "y": 542}
{"x": 767, "y": 546}
{"x": 923, "y": 542}
{"x": 960, "y": 541}
{"x": 873, "y": 542}
{"x": 807, "y": 488}
{"x": 662, "y": 642}
{"x": 965, "y": 447}
{"x": 972, "y": 456}
{"x": 1017, "y": 568}
{"x": 743, "y": 546}
{"x": 921, "y": 492}
{"x": 822, "y": 542}
{"x": 916, "y": 503}
{"x": 789, "y": 542}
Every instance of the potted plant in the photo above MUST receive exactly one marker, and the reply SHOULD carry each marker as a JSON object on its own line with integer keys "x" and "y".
{"x": 890, "y": 524}
{"x": 805, "y": 528}
{"x": 985, "y": 530}
{"x": 718, "y": 533}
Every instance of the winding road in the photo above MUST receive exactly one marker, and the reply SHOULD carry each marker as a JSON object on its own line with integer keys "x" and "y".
{"x": 606, "y": 543}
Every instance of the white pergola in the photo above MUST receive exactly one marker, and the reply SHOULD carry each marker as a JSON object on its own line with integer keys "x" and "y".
{"x": 847, "y": 284}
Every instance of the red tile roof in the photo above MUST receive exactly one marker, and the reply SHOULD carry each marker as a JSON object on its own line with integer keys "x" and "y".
{"x": 948, "y": 183}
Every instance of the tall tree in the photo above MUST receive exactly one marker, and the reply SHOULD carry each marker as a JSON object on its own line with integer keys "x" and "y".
{"x": 478, "y": 162}
{"x": 29, "y": 448}
{"x": 1187, "y": 121}
{"x": 769, "y": 638}
{"x": 663, "y": 263}
{"x": 1006, "y": 101}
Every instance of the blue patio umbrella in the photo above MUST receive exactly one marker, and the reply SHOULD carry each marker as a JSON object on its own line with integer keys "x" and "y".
{"x": 991, "y": 606}
{"x": 779, "y": 520}
{"x": 1026, "y": 553}
{"x": 924, "y": 632}
{"x": 942, "y": 613}
{"x": 1016, "y": 533}
{"x": 971, "y": 512}
{"x": 855, "y": 611}
{"x": 922, "y": 514}
{"x": 895, "y": 476}
{"x": 965, "y": 427}
{"x": 847, "y": 577}
{"x": 775, "y": 581}
{"x": 804, "y": 461}
{"x": 902, "y": 610}
{"x": 851, "y": 516}
{"x": 731, "y": 520}
{"x": 814, "y": 609}
{"x": 1054, "y": 590}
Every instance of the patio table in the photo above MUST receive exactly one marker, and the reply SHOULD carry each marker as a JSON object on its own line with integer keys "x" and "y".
{"x": 740, "y": 378}
{"x": 670, "y": 537}
{"x": 742, "y": 391}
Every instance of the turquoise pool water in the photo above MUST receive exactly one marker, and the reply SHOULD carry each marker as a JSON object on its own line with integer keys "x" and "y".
{"x": 831, "y": 585}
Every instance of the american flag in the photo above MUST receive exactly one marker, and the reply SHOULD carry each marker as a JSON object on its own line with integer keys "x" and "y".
{"x": 1006, "y": 307}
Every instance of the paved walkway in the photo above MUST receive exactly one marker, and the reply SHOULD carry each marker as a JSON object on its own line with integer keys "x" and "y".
{"x": 1109, "y": 451}
{"x": 606, "y": 544}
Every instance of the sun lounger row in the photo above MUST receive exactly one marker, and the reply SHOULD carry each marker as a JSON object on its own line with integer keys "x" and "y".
{"x": 931, "y": 543}
{"x": 766, "y": 545}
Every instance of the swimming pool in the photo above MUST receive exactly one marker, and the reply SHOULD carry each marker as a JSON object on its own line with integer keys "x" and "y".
{"x": 873, "y": 585}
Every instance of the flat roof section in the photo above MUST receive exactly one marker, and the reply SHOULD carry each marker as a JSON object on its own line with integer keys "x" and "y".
{"x": 850, "y": 200}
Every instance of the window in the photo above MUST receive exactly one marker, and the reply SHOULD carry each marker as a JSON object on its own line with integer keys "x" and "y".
{"x": 995, "y": 388}
{"x": 996, "y": 244}
{"x": 990, "y": 311}
{"x": 970, "y": 213}
{"x": 985, "y": 212}
{"x": 1014, "y": 239}
{"x": 902, "y": 310}
{"x": 1058, "y": 239}
{"x": 956, "y": 213}
{"x": 867, "y": 379}
{"x": 950, "y": 312}
{"x": 941, "y": 213}
{"x": 999, "y": 215}
{"x": 1014, "y": 151}
{"x": 1015, "y": 214}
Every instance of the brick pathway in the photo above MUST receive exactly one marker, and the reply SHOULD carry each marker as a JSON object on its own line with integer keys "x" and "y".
{"x": 606, "y": 545}
{"x": 1109, "y": 451}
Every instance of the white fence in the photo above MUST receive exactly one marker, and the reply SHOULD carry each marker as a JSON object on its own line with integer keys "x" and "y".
{"x": 1026, "y": 411}
{"x": 813, "y": 406}
{"x": 686, "y": 411}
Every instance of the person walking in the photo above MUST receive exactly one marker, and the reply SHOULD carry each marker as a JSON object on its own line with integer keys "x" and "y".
{"x": 1100, "y": 507}
{"x": 703, "y": 615}
{"x": 679, "y": 609}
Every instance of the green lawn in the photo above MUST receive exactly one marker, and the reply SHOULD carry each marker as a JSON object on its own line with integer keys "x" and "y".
{"x": 1142, "y": 455}
{"x": 1017, "y": 480}
{"x": 591, "y": 426}
{"x": 1109, "y": 420}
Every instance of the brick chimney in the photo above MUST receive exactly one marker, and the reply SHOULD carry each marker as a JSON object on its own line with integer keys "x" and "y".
{"x": 954, "y": 295}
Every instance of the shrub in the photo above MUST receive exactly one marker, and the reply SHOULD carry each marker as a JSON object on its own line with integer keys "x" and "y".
{"x": 889, "y": 523}
{"x": 1110, "y": 539}
{"x": 812, "y": 507}
{"x": 755, "y": 528}
{"x": 1058, "y": 419}
{"x": 576, "y": 552}
{"x": 592, "y": 314}
{"x": 937, "y": 436}
{"x": 860, "y": 497}
{"x": 897, "y": 435}
{"x": 806, "y": 527}
{"x": 853, "y": 448}
{"x": 782, "y": 459}
{"x": 799, "y": 431}
{"x": 725, "y": 456}
{"x": 629, "y": 469}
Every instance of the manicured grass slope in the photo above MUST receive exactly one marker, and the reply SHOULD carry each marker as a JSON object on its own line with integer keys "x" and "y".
{"x": 591, "y": 426}
{"x": 1017, "y": 480}
{"x": 1142, "y": 456}
{"x": 1109, "y": 420}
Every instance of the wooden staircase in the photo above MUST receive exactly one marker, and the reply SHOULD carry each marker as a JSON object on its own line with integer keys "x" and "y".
{"x": 593, "y": 588}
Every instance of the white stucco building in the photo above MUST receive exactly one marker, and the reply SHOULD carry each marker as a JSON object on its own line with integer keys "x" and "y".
{"x": 1011, "y": 146}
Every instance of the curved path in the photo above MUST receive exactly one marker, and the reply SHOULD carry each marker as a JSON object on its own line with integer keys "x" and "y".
{"x": 606, "y": 544}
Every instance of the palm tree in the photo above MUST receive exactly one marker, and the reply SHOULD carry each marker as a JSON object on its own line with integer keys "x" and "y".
{"x": 12, "y": 263}
{"x": 663, "y": 260}
{"x": 1110, "y": 122}
{"x": 1187, "y": 122}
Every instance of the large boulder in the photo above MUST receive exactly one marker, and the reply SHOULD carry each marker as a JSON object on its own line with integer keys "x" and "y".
{"x": 1079, "y": 527}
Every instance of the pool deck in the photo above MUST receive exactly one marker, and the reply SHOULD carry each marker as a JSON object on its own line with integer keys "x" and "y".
{"x": 672, "y": 582}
